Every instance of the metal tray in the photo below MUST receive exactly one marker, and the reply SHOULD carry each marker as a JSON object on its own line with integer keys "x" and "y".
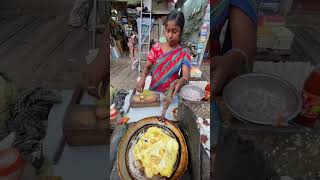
{"x": 262, "y": 99}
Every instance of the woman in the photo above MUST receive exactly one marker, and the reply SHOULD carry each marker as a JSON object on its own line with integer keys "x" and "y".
{"x": 239, "y": 47}
{"x": 166, "y": 59}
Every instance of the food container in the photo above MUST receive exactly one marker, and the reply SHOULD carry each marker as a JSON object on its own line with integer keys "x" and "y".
{"x": 11, "y": 164}
{"x": 207, "y": 92}
{"x": 192, "y": 93}
{"x": 127, "y": 168}
{"x": 262, "y": 99}
{"x": 311, "y": 99}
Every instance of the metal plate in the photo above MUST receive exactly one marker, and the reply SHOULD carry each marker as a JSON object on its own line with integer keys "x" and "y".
{"x": 262, "y": 99}
{"x": 191, "y": 93}
{"x": 128, "y": 169}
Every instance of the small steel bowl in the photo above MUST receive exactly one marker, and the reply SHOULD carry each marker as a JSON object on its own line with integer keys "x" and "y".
{"x": 262, "y": 99}
{"x": 187, "y": 90}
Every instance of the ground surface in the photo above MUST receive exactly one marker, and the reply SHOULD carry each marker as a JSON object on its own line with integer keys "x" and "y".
{"x": 121, "y": 74}
{"x": 271, "y": 153}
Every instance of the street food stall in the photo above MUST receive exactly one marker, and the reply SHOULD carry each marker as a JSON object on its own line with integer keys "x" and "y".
{"x": 186, "y": 120}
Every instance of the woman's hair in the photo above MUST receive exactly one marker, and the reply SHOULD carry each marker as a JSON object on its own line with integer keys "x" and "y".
{"x": 176, "y": 16}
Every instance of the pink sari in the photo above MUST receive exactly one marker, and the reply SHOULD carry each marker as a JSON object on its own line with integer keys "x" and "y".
{"x": 166, "y": 66}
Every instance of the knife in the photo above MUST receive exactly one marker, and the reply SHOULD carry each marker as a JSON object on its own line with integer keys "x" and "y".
{"x": 133, "y": 93}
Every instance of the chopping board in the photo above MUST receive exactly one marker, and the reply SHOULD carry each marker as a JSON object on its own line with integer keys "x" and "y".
{"x": 81, "y": 127}
{"x": 151, "y": 99}
{"x": 136, "y": 114}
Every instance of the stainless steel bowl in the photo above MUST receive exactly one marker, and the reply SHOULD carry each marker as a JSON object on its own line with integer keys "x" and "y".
{"x": 262, "y": 99}
{"x": 191, "y": 93}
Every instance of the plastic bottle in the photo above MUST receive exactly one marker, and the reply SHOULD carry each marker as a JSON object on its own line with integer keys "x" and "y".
{"x": 311, "y": 99}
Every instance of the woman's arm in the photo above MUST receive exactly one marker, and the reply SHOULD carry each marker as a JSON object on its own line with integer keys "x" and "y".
{"x": 146, "y": 71}
{"x": 99, "y": 68}
{"x": 151, "y": 58}
{"x": 183, "y": 80}
{"x": 185, "y": 73}
{"x": 243, "y": 35}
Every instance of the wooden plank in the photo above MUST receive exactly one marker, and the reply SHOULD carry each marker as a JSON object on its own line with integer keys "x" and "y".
{"x": 6, "y": 19}
{"x": 121, "y": 75}
{"x": 14, "y": 55}
{"x": 13, "y": 27}
{"x": 18, "y": 37}
{"x": 35, "y": 47}
{"x": 63, "y": 69}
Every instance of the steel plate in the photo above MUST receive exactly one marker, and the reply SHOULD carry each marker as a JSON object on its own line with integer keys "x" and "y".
{"x": 262, "y": 99}
{"x": 128, "y": 168}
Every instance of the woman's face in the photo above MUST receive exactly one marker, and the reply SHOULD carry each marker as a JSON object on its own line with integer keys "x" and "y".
{"x": 172, "y": 33}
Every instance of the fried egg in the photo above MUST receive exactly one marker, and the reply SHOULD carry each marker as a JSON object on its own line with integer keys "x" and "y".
{"x": 157, "y": 152}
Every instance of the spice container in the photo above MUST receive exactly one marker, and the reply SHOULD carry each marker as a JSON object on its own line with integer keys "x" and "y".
{"x": 311, "y": 99}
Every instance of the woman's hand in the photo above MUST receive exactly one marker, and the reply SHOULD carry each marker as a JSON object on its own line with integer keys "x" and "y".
{"x": 92, "y": 80}
{"x": 178, "y": 85}
{"x": 225, "y": 68}
{"x": 140, "y": 85}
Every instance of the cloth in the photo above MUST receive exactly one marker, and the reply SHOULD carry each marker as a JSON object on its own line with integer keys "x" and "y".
{"x": 219, "y": 16}
{"x": 28, "y": 119}
{"x": 166, "y": 66}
